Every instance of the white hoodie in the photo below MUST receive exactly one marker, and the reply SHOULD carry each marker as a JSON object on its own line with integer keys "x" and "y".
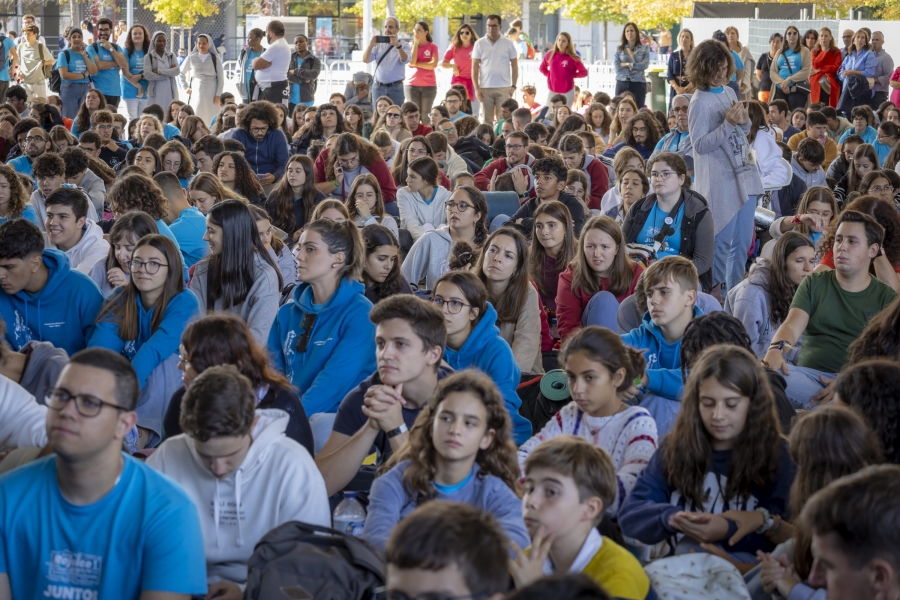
{"x": 23, "y": 422}
{"x": 418, "y": 216}
{"x": 277, "y": 482}
{"x": 90, "y": 250}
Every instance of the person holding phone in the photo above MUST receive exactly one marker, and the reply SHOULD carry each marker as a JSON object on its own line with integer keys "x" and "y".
{"x": 390, "y": 56}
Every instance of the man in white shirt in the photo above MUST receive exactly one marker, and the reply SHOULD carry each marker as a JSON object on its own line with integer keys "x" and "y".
{"x": 272, "y": 66}
{"x": 495, "y": 69}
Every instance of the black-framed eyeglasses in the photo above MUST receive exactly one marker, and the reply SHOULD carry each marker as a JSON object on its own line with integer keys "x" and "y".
{"x": 259, "y": 129}
{"x": 35, "y": 138}
{"x": 87, "y": 405}
{"x": 453, "y": 306}
{"x": 309, "y": 321}
{"x": 151, "y": 266}
{"x": 459, "y": 207}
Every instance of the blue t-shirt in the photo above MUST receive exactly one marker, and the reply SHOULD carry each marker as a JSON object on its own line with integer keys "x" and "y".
{"x": 796, "y": 64}
{"x": 738, "y": 64}
{"x": 189, "y": 228}
{"x": 28, "y": 214}
{"x": 9, "y": 44}
{"x": 75, "y": 63}
{"x": 143, "y": 535}
{"x": 136, "y": 66}
{"x": 652, "y": 226}
{"x": 248, "y": 70}
{"x": 295, "y": 93}
{"x": 106, "y": 80}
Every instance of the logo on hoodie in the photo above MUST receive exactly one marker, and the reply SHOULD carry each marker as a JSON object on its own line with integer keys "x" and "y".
{"x": 21, "y": 331}
{"x": 652, "y": 361}
{"x": 288, "y": 350}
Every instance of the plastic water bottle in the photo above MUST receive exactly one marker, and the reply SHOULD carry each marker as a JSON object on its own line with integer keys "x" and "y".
{"x": 350, "y": 516}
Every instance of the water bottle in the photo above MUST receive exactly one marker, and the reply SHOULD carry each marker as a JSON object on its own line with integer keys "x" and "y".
{"x": 350, "y": 516}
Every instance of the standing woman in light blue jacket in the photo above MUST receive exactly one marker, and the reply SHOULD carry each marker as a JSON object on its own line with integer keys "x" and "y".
{"x": 160, "y": 70}
{"x": 632, "y": 58}
{"x": 860, "y": 61}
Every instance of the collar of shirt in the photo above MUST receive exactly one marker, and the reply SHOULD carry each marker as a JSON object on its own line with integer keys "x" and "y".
{"x": 591, "y": 546}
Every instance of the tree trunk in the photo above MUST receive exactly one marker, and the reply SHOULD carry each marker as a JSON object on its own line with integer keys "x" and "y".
{"x": 605, "y": 40}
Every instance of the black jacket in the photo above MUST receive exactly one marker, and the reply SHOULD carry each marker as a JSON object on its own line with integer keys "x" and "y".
{"x": 308, "y": 77}
{"x": 298, "y": 428}
{"x": 697, "y": 230}
{"x": 474, "y": 150}
{"x": 576, "y": 209}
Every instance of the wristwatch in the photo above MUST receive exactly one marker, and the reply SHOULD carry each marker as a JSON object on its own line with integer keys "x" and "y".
{"x": 768, "y": 520}
{"x": 524, "y": 194}
{"x": 397, "y": 431}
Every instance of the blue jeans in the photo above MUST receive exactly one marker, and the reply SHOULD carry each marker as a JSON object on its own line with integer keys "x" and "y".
{"x": 72, "y": 96}
{"x": 321, "y": 425}
{"x": 497, "y": 222}
{"x": 803, "y": 383}
{"x": 394, "y": 92}
{"x": 602, "y": 309}
{"x": 663, "y": 411}
{"x": 732, "y": 245}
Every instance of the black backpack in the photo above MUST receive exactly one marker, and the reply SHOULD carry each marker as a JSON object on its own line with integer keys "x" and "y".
{"x": 293, "y": 561}
{"x": 55, "y": 79}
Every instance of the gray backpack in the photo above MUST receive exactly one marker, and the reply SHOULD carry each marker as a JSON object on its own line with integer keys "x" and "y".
{"x": 295, "y": 561}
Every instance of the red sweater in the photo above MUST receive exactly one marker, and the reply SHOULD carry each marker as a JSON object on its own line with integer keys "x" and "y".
{"x": 570, "y": 304}
{"x": 599, "y": 178}
{"x": 422, "y": 130}
{"x": 378, "y": 168}
{"x": 828, "y": 63}
{"x": 499, "y": 166}
{"x": 561, "y": 71}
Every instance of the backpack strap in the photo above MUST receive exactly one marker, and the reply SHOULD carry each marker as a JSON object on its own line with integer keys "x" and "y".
{"x": 668, "y": 228}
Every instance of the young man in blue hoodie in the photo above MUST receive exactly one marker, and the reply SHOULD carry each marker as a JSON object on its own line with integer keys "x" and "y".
{"x": 671, "y": 288}
{"x": 44, "y": 299}
{"x": 259, "y": 130}
{"x": 410, "y": 335}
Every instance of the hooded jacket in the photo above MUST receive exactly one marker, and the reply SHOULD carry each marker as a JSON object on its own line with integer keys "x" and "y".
{"x": 277, "y": 482}
{"x": 485, "y": 350}
{"x": 663, "y": 359}
{"x": 167, "y": 69}
{"x": 40, "y": 207}
{"x": 340, "y": 346}
{"x": 151, "y": 348}
{"x": 95, "y": 188}
{"x": 598, "y": 180}
{"x": 61, "y": 313}
{"x": 749, "y": 303}
{"x": 429, "y": 257}
{"x": 269, "y": 156}
{"x": 576, "y": 209}
{"x": 454, "y": 163}
{"x": 43, "y": 365}
{"x": 89, "y": 250}
{"x": 810, "y": 179}
{"x": 418, "y": 216}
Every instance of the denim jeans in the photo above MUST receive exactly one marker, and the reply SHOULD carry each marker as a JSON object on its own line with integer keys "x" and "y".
{"x": 394, "y": 92}
{"x": 72, "y": 96}
{"x": 663, "y": 410}
{"x": 803, "y": 383}
{"x": 732, "y": 245}
{"x": 601, "y": 310}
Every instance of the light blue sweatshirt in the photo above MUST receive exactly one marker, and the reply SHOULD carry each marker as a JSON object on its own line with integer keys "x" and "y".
{"x": 151, "y": 348}
{"x": 62, "y": 313}
{"x": 189, "y": 229}
{"x": 663, "y": 359}
{"x": 484, "y": 349}
{"x": 389, "y": 503}
{"x": 340, "y": 350}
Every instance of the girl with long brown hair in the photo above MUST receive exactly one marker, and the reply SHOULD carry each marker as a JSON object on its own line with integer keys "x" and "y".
{"x": 14, "y": 202}
{"x": 290, "y": 203}
{"x": 365, "y": 205}
{"x": 601, "y": 274}
{"x": 143, "y": 320}
{"x": 206, "y": 189}
{"x": 503, "y": 269}
{"x": 562, "y": 67}
{"x": 460, "y": 449}
{"x": 865, "y": 160}
{"x": 553, "y": 246}
{"x": 726, "y": 452}
{"x": 235, "y": 173}
{"x": 346, "y": 159}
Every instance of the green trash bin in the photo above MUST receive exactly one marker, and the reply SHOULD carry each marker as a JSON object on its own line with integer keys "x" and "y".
{"x": 659, "y": 92}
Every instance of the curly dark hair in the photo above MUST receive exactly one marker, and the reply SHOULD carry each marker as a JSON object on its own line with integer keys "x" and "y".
{"x": 499, "y": 459}
{"x": 77, "y": 161}
{"x": 883, "y": 212}
{"x": 18, "y": 197}
{"x": 187, "y": 162}
{"x": 704, "y": 60}
{"x": 245, "y": 181}
{"x": 261, "y": 110}
{"x": 316, "y": 131}
{"x": 653, "y": 132}
{"x": 137, "y": 192}
{"x": 708, "y": 330}
{"x": 48, "y": 164}
{"x": 872, "y": 387}
{"x": 880, "y": 338}
{"x": 687, "y": 450}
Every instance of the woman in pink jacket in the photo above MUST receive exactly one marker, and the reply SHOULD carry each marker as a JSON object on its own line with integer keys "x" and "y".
{"x": 561, "y": 66}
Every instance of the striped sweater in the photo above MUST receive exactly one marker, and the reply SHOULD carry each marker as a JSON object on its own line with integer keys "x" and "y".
{"x": 629, "y": 437}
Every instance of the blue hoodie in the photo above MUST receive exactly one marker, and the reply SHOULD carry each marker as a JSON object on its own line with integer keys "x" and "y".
{"x": 62, "y": 313}
{"x": 151, "y": 348}
{"x": 268, "y": 156}
{"x": 484, "y": 349}
{"x": 340, "y": 352}
{"x": 646, "y": 512}
{"x": 663, "y": 359}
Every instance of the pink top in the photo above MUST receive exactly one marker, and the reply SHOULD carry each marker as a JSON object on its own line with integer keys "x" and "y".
{"x": 462, "y": 58}
{"x": 561, "y": 71}
{"x": 424, "y": 54}
{"x": 895, "y": 92}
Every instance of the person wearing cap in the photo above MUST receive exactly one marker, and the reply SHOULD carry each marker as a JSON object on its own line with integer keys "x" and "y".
{"x": 363, "y": 97}
{"x": 303, "y": 73}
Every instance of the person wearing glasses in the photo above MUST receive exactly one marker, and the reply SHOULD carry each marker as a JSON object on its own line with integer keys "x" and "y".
{"x": 37, "y": 142}
{"x": 517, "y": 160}
{"x": 110, "y": 59}
{"x": 349, "y": 157}
{"x": 790, "y": 70}
{"x": 88, "y": 499}
{"x": 322, "y": 338}
{"x": 459, "y": 57}
{"x": 113, "y": 153}
{"x": 453, "y": 101}
{"x": 259, "y": 130}
{"x": 678, "y": 140}
{"x": 143, "y": 321}
{"x": 69, "y": 229}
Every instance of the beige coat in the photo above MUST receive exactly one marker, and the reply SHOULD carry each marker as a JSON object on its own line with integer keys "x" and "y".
{"x": 524, "y": 336}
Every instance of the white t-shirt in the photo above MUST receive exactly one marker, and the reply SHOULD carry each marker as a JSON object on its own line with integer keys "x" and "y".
{"x": 279, "y": 54}
{"x": 495, "y": 70}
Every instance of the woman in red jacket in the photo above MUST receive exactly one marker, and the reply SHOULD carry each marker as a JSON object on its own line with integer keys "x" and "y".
{"x": 597, "y": 281}
{"x": 824, "y": 85}
{"x": 571, "y": 146}
{"x": 349, "y": 157}
{"x": 561, "y": 66}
